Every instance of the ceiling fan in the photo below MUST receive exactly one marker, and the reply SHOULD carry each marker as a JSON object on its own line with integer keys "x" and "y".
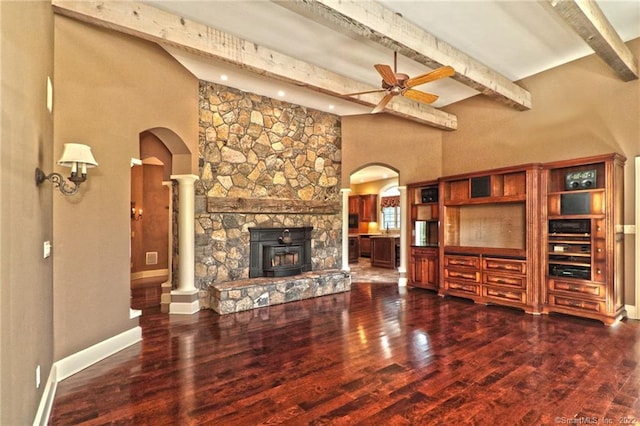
{"x": 395, "y": 83}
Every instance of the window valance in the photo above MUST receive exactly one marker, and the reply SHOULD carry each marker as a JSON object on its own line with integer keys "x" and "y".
{"x": 390, "y": 201}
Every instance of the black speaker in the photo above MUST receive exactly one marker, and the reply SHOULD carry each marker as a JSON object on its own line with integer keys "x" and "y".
{"x": 580, "y": 180}
{"x": 429, "y": 195}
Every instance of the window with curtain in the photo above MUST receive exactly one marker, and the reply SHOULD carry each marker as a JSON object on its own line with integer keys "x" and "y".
{"x": 390, "y": 205}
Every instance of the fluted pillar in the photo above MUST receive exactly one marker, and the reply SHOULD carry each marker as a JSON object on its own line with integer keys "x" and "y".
{"x": 184, "y": 300}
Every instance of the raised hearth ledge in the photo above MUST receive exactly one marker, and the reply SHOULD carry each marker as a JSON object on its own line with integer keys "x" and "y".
{"x": 271, "y": 205}
{"x": 253, "y": 293}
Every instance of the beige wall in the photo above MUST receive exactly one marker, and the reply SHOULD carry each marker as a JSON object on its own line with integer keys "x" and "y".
{"x": 415, "y": 150}
{"x": 109, "y": 88}
{"x": 26, "y": 134}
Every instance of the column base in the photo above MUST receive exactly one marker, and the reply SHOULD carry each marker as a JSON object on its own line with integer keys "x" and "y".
{"x": 165, "y": 298}
{"x": 402, "y": 280}
{"x": 184, "y": 302}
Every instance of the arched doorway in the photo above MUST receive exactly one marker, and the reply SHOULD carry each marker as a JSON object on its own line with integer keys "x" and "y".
{"x": 374, "y": 213}
{"x": 157, "y": 177}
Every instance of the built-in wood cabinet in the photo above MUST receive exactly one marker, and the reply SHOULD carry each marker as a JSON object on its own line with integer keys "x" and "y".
{"x": 423, "y": 267}
{"x": 584, "y": 239}
{"x": 540, "y": 237}
{"x": 490, "y": 236}
{"x": 423, "y": 227}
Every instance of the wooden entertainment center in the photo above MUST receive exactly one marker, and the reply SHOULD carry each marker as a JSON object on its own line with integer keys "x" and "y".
{"x": 539, "y": 237}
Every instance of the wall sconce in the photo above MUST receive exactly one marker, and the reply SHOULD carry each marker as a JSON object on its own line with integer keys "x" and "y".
{"x": 135, "y": 214}
{"x": 76, "y": 156}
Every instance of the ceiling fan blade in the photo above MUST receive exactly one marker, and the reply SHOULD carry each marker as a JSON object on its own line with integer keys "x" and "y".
{"x": 416, "y": 95}
{"x": 387, "y": 74}
{"x": 383, "y": 103}
{"x": 363, "y": 93}
{"x": 436, "y": 74}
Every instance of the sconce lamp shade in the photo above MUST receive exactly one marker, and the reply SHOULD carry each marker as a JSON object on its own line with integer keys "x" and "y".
{"x": 76, "y": 156}
{"x": 75, "y": 153}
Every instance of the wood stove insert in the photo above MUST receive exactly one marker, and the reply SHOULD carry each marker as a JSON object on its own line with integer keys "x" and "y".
{"x": 279, "y": 252}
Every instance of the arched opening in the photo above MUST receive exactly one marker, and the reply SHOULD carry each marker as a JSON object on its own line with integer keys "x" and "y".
{"x": 375, "y": 224}
{"x": 153, "y": 246}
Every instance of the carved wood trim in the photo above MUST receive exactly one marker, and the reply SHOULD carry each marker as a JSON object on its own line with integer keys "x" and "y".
{"x": 271, "y": 205}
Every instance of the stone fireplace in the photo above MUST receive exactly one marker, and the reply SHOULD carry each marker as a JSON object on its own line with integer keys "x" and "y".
{"x": 279, "y": 252}
{"x": 266, "y": 164}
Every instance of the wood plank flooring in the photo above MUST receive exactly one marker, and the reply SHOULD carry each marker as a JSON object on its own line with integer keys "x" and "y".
{"x": 377, "y": 355}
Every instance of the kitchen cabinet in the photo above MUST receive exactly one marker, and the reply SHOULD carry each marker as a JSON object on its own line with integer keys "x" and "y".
{"x": 369, "y": 208}
{"x": 385, "y": 251}
{"x": 354, "y": 204}
{"x": 354, "y": 248}
{"x": 365, "y": 245}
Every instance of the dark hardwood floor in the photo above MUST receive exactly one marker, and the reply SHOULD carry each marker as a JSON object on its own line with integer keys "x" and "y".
{"x": 378, "y": 355}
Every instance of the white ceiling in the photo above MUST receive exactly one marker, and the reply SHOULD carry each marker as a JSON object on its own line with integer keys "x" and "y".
{"x": 515, "y": 38}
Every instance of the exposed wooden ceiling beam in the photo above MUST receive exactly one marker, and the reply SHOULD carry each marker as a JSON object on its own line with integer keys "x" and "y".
{"x": 373, "y": 21}
{"x": 158, "y": 26}
{"x": 587, "y": 19}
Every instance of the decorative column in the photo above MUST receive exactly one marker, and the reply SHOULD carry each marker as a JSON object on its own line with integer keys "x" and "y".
{"x": 165, "y": 295}
{"x": 345, "y": 229}
{"x": 184, "y": 300}
{"x": 402, "y": 270}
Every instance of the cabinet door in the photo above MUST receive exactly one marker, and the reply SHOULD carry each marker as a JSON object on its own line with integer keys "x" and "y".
{"x": 383, "y": 252}
{"x": 432, "y": 271}
{"x": 424, "y": 269}
{"x": 354, "y": 204}
{"x": 369, "y": 208}
{"x": 365, "y": 246}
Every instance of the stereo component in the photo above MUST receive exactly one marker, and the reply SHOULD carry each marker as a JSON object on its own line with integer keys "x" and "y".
{"x": 429, "y": 195}
{"x": 585, "y": 179}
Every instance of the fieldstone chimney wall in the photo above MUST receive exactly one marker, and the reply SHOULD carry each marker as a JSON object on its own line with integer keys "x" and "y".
{"x": 263, "y": 163}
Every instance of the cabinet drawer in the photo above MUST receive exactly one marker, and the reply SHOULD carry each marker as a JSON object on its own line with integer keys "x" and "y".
{"x": 572, "y": 303}
{"x": 462, "y": 261}
{"x": 503, "y": 279}
{"x": 513, "y": 266}
{"x": 589, "y": 288}
{"x": 462, "y": 288}
{"x": 461, "y": 274}
{"x": 504, "y": 294}
{"x": 424, "y": 251}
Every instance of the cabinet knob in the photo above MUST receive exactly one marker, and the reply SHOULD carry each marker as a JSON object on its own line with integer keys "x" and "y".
{"x": 599, "y": 271}
{"x": 599, "y": 250}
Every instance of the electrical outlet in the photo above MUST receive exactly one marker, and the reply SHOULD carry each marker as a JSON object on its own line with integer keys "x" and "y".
{"x": 38, "y": 377}
{"x": 46, "y": 249}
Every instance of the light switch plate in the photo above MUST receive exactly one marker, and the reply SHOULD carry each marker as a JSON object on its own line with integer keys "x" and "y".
{"x": 46, "y": 249}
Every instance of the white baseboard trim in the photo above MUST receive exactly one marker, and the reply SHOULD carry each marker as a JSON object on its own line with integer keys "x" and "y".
{"x": 70, "y": 365}
{"x": 632, "y": 312}
{"x": 46, "y": 402}
{"x": 80, "y": 360}
{"x": 149, "y": 274}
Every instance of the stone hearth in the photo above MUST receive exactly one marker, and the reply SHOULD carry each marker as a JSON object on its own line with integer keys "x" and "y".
{"x": 242, "y": 295}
